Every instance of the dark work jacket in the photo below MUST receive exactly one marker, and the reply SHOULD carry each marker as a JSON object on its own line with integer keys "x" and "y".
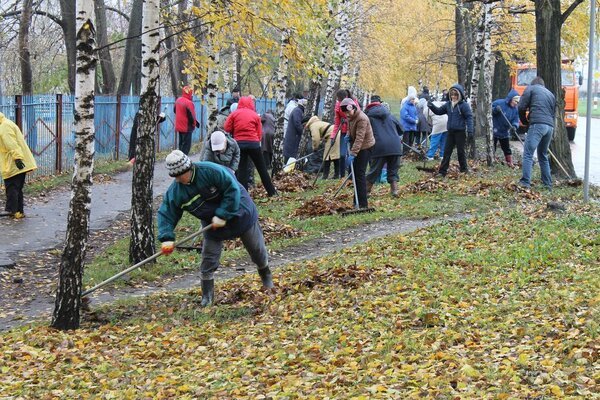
{"x": 460, "y": 117}
{"x": 541, "y": 104}
{"x": 386, "y": 130}
{"x": 213, "y": 190}
{"x": 291, "y": 140}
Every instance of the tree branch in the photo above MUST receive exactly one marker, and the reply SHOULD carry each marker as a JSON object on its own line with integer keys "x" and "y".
{"x": 569, "y": 10}
{"x": 17, "y": 13}
{"x": 121, "y": 13}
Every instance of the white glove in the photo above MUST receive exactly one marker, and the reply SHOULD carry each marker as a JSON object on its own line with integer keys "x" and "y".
{"x": 218, "y": 222}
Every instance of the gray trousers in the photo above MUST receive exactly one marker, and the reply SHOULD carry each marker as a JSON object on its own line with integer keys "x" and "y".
{"x": 253, "y": 241}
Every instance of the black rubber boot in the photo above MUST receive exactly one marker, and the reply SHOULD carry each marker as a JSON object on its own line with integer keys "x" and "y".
{"x": 208, "y": 292}
{"x": 266, "y": 278}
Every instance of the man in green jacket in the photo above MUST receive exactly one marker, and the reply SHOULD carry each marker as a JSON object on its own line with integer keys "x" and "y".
{"x": 15, "y": 161}
{"x": 211, "y": 193}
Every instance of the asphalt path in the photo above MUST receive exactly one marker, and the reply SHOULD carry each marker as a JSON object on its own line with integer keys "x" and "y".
{"x": 578, "y": 149}
{"x": 46, "y": 222}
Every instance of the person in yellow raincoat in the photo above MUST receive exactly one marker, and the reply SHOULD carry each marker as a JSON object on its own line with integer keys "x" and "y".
{"x": 15, "y": 161}
{"x": 318, "y": 130}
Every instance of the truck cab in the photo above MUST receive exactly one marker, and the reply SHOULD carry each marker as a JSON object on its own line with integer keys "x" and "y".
{"x": 523, "y": 74}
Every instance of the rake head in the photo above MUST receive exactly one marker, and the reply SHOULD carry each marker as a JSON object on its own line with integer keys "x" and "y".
{"x": 358, "y": 211}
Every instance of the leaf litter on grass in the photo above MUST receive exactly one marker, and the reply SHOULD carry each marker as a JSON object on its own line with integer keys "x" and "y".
{"x": 400, "y": 317}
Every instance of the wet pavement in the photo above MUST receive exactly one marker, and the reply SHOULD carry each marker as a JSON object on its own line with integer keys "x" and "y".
{"x": 46, "y": 222}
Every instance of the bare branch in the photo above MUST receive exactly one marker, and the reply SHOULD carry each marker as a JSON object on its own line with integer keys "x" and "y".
{"x": 569, "y": 10}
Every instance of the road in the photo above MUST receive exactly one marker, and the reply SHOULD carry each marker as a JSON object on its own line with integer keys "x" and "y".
{"x": 578, "y": 150}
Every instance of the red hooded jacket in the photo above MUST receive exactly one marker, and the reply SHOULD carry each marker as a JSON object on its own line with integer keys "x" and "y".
{"x": 244, "y": 123}
{"x": 185, "y": 112}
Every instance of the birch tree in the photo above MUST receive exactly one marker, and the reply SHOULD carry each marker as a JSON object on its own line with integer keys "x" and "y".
{"x": 213, "y": 78}
{"x": 282, "y": 81}
{"x": 481, "y": 93}
{"x": 141, "y": 244}
{"x": 68, "y": 297}
{"x": 340, "y": 53}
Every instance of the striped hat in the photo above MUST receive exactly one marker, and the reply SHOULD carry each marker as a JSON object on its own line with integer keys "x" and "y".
{"x": 178, "y": 163}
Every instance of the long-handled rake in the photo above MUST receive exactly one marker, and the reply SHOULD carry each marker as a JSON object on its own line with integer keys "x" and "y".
{"x": 143, "y": 262}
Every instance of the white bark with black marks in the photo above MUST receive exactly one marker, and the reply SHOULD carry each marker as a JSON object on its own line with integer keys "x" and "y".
{"x": 213, "y": 78}
{"x": 282, "y": 82}
{"x": 340, "y": 54}
{"x": 68, "y": 296}
{"x": 141, "y": 244}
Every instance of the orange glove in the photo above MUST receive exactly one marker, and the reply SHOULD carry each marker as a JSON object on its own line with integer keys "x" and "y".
{"x": 167, "y": 248}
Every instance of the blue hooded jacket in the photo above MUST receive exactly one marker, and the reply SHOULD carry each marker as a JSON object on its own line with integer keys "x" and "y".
{"x": 501, "y": 126}
{"x": 460, "y": 117}
{"x": 409, "y": 116}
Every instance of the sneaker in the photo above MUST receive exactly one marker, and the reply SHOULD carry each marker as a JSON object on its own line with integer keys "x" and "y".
{"x": 5, "y": 214}
{"x": 430, "y": 158}
{"x": 523, "y": 185}
{"x": 18, "y": 215}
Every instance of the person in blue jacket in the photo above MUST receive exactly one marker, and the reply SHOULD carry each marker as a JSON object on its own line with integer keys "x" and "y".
{"x": 460, "y": 124}
{"x": 409, "y": 118}
{"x": 211, "y": 193}
{"x": 504, "y": 126}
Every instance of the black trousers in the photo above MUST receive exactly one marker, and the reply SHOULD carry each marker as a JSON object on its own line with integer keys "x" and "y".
{"x": 254, "y": 154}
{"x": 360, "y": 168}
{"x": 14, "y": 193}
{"x": 456, "y": 139}
{"x": 408, "y": 137}
{"x": 393, "y": 163}
{"x": 327, "y": 168}
{"x": 504, "y": 144}
{"x": 185, "y": 142}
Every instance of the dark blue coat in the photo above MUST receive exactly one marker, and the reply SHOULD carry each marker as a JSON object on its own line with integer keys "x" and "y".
{"x": 460, "y": 117}
{"x": 501, "y": 127}
{"x": 386, "y": 130}
{"x": 293, "y": 134}
{"x": 541, "y": 104}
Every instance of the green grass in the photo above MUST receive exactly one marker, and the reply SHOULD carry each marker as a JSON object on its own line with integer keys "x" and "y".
{"x": 582, "y": 108}
{"x": 501, "y": 305}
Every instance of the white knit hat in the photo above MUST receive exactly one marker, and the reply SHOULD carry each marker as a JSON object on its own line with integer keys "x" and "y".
{"x": 178, "y": 163}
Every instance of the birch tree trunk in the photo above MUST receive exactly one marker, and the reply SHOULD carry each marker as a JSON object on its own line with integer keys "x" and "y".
{"x": 213, "y": 78}
{"x": 68, "y": 296}
{"x": 282, "y": 82}
{"x": 481, "y": 69}
{"x": 141, "y": 244}
{"x": 312, "y": 106}
{"x": 340, "y": 53}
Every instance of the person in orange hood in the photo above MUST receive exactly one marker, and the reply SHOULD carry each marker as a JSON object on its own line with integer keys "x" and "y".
{"x": 185, "y": 119}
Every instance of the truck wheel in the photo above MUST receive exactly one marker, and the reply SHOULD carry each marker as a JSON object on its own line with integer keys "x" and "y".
{"x": 571, "y": 134}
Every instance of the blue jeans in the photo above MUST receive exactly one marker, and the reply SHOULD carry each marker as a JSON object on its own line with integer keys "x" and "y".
{"x": 253, "y": 241}
{"x": 438, "y": 140}
{"x": 538, "y": 137}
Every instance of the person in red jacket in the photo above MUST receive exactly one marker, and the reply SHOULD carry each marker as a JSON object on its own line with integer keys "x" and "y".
{"x": 185, "y": 119}
{"x": 245, "y": 126}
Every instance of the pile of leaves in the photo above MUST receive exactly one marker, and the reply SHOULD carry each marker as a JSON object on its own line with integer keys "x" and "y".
{"x": 428, "y": 185}
{"x": 293, "y": 182}
{"x": 322, "y": 205}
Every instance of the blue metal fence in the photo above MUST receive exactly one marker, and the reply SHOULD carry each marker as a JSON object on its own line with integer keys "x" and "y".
{"x": 47, "y": 122}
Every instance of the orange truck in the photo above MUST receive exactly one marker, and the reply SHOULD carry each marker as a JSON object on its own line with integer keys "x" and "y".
{"x": 523, "y": 74}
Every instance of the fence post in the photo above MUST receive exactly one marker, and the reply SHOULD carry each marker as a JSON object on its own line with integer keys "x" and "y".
{"x": 19, "y": 111}
{"x": 118, "y": 127}
{"x": 59, "y": 132}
